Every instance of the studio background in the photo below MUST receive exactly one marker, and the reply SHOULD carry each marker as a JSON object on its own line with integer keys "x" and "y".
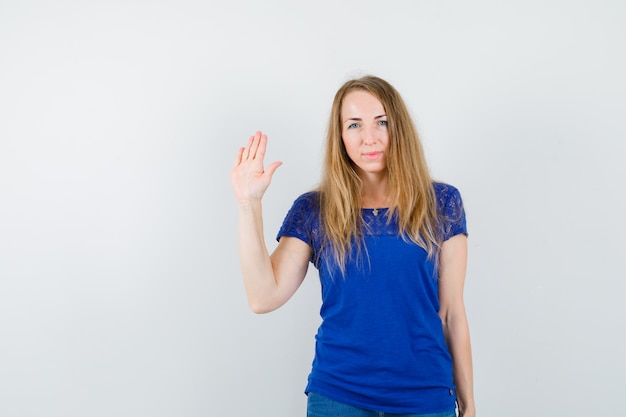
{"x": 120, "y": 289}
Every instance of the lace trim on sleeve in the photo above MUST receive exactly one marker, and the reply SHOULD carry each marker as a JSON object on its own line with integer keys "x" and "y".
{"x": 452, "y": 212}
{"x": 302, "y": 221}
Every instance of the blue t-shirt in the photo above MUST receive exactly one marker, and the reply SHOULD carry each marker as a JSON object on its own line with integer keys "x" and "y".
{"x": 380, "y": 345}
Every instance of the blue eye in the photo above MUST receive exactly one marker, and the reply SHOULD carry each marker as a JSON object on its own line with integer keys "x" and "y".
{"x": 353, "y": 126}
{"x": 383, "y": 123}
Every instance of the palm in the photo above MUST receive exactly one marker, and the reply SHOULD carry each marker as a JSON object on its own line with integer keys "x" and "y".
{"x": 249, "y": 178}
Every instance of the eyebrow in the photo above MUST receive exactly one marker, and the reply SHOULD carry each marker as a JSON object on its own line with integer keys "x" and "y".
{"x": 358, "y": 119}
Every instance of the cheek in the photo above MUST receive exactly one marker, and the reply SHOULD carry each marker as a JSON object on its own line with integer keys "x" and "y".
{"x": 351, "y": 147}
{"x": 346, "y": 140}
{"x": 344, "y": 143}
{"x": 385, "y": 140}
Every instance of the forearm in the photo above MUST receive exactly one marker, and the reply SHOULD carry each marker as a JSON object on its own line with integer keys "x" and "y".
{"x": 256, "y": 266}
{"x": 458, "y": 339}
{"x": 250, "y": 180}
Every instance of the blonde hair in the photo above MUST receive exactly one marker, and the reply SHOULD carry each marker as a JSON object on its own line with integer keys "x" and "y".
{"x": 410, "y": 187}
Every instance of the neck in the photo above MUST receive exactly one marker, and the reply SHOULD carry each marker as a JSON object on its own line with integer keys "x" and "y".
{"x": 374, "y": 192}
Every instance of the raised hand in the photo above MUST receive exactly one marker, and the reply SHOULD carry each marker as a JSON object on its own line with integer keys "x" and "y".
{"x": 249, "y": 178}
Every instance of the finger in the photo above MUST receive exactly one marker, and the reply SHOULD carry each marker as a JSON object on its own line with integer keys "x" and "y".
{"x": 260, "y": 153}
{"x": 246, "y": 152}
{"x": 255, "y": 144}
{"x": 238, "y": 157}
{"x": 271, "y": 168}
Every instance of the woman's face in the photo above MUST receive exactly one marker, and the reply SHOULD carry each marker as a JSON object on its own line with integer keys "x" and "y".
{"x": 364, "y": 132}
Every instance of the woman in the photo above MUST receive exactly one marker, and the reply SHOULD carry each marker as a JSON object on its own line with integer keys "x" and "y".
{"x": 391, "y": 248}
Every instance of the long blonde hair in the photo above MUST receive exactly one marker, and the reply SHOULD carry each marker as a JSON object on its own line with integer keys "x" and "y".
{"x": 410, "y": 186}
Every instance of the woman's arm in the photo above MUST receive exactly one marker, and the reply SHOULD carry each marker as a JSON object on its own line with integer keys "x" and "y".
{"x": 269, "y": 281}
{"x": 452, "y": 265}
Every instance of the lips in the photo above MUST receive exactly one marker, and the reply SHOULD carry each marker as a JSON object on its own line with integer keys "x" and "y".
{"x": 372, "y": 155}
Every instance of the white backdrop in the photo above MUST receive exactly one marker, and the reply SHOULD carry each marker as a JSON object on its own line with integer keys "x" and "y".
{"x": 120, "y": 291}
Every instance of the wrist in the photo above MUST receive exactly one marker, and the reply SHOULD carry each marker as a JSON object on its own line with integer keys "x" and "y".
{"x": 467, "y": 410}
{"x": 249, "y": 203}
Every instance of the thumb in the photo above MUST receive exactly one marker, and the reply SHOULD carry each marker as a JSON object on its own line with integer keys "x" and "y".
{"x": 271, "y": 168}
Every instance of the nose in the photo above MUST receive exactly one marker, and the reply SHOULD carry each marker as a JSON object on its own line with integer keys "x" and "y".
{"x": 369, "y": 136}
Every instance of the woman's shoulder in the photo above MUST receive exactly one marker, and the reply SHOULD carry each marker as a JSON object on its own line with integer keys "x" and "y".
{"x": 309, "y": 198}
{"x": 447, "y": 195}
{"x": 308, "y": 202}
{"x": 451, "y": 210}
{"x": 445, "y": 191}
{"x": 303, "y": 216}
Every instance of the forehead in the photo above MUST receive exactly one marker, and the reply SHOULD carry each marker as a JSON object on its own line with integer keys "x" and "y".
{"x": 361, "y": 102}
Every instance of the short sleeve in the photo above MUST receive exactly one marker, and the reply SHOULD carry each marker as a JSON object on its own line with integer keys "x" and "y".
{"x": 451, "y": 210}
{"x": 301, "y": 219}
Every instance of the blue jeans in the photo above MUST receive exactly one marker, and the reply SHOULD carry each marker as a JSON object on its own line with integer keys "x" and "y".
{"x": 320, "y": 406}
